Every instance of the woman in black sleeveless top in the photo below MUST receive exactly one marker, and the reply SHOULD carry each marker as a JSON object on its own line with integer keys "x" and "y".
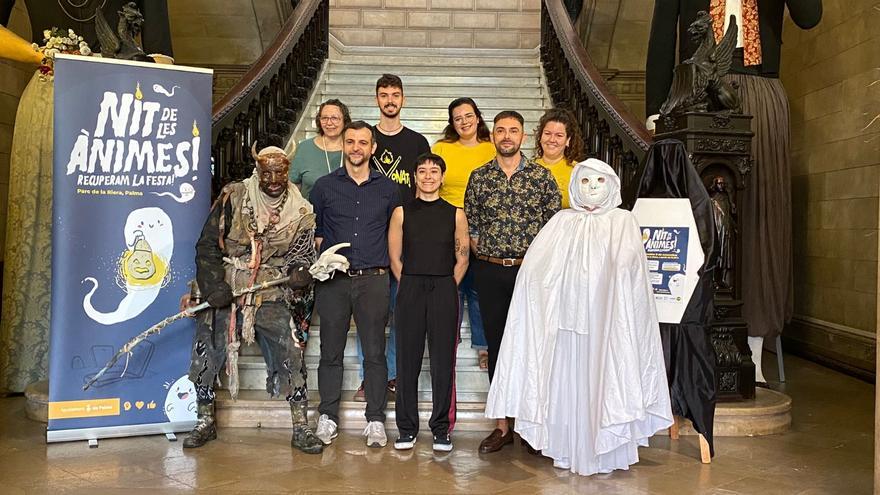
{"x": 428, "y": 246}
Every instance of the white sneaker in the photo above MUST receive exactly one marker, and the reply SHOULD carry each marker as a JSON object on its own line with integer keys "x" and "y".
{"x": 326, "y": 430}
{"x": 375, "y": 433}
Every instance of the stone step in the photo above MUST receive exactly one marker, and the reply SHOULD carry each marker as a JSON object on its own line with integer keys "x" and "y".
{"x": 440, "y": 80}
{"x": 386, "y": 60}
{"x": 769, "y": 413}
{"x": 252, "y": 375}
{"x": 528, "y": 146}
{"x": 427, "y": 126}
{"x": 405, "y": 71}
{"x": 254, "y": 410}
{"x": 412, "y": 113}
{"x": 486, "y": 103}
{"x": 341, "y": 90}
{"x": 313, "y": 349}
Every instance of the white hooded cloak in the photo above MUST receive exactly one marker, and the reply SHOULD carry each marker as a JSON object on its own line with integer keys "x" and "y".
{"x": 581, "y": 363}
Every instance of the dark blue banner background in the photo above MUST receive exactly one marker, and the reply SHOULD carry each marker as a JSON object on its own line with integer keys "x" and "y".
{"x": 131, "y": 194}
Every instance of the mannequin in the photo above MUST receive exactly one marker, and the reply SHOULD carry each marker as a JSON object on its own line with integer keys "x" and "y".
{"x": 765, "y": 213}
{"x": 24, "y": 327}
{"x": 581, "y": 364}
{"x": 687, "y": 350}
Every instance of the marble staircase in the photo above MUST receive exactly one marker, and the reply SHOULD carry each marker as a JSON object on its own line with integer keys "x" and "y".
{"x": 497, "y": 80}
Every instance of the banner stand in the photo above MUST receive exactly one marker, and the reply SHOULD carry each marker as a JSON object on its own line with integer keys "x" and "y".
{"x": 92, "y": 435}
{"x": 131, "y": 190}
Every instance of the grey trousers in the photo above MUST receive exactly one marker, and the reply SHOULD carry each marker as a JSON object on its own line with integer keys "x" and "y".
{"x": 286, "y": 372}
{"x": 366, "y": 298}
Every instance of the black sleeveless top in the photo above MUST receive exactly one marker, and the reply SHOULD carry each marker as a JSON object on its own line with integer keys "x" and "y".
{"x": 428, "y": 237}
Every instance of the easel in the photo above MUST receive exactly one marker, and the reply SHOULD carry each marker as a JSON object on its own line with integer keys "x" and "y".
{"x": 705, "y": 453}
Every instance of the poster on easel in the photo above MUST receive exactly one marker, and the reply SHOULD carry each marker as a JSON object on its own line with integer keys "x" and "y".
{"x": 131, "y": 190}
{"x": 675, "y": 256}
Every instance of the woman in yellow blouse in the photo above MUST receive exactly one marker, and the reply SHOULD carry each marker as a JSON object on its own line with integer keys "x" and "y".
{"x": 559, "y": 146}
{"x": 466, "y": 145}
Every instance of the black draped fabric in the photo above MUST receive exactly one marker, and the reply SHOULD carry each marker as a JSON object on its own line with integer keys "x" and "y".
{"x": 687, "y": 349}
{"x": 63, "y": 14}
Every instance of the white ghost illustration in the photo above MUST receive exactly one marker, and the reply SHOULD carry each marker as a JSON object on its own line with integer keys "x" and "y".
{"x": 146, "y": 230}
{"x": 180, "y": 402}
{"x": 187, "y": 192}
{"x": 158, "y": 88}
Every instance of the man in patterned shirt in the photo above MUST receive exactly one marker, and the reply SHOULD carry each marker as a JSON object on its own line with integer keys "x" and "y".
{"x": 507, "y": 201}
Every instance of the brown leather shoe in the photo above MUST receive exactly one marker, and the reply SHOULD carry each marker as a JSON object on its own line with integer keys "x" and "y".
{"x": 495, "y": 441}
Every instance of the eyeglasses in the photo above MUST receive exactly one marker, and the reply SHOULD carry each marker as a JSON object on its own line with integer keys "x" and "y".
{"x": 334, "y": 119}
{"x": 464, "y": 118}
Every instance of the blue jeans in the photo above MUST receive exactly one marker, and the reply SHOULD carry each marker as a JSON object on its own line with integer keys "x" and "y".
{"x": 391, "y": 346}
{"x": 466, "y": 290}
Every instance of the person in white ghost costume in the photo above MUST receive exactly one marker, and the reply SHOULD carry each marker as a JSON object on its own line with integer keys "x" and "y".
{"x": 581, "y": 364}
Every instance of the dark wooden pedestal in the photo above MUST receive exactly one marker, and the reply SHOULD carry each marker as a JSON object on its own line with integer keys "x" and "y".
{"x": 719, "y": 145}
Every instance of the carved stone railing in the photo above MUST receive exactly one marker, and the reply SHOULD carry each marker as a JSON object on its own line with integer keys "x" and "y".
{"x": 266, "y": 103}
{"x": 610, "y": 131}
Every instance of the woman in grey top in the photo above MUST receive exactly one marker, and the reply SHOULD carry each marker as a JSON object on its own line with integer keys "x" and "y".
{"x": 318, "y": 156}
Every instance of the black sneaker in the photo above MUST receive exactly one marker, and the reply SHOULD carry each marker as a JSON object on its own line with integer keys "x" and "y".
{"x": 405, "y": 441}
{"x": 443, "y": 443}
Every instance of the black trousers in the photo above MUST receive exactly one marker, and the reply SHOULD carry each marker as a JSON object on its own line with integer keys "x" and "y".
{"x": 336, "y": 300}
{"x": 494, "y": 284}
{"x": 426, "y": 306}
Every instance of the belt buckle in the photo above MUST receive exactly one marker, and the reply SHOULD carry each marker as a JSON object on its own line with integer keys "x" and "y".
{"x": 507, "y": 261}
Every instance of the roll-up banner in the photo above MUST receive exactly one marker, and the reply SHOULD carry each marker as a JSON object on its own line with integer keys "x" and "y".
{"x": 131, "y": 186}
{"x": 675, "y": 256}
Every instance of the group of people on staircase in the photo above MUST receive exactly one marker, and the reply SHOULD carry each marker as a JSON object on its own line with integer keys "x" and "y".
{"x": 422, "y": 230}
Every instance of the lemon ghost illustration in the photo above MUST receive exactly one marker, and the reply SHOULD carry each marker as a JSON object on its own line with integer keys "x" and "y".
{"x": 143, "y": 268}
{"x": 139, "y": 263}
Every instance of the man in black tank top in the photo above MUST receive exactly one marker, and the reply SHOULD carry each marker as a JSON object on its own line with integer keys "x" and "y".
{"x": 428, "y": 246}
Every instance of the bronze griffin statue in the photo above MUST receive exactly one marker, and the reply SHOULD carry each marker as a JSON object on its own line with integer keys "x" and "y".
{"x": 121, "y": 44}
{"x": 697, "y": 84}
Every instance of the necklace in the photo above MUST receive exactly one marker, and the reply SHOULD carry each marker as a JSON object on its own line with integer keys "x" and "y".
{"x": 77, "y": 6}
{"x": 389, "y": 133}
{"x": 327, "y": 156}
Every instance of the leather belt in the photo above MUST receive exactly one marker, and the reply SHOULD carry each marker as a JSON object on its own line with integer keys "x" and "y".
{"x": 366, "y": 271}
{"x": 501, "y": 261}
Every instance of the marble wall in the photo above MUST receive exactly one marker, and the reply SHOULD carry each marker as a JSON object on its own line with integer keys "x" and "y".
{"x": 832, "y": 75}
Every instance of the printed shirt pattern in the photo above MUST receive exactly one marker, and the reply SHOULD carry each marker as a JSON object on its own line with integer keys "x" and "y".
{"x": 506, "y": 214}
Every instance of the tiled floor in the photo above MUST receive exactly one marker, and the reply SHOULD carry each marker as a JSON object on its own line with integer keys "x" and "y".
{"x": 829, "y": 450}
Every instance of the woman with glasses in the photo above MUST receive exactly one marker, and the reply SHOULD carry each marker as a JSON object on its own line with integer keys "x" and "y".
{"x": 318, "y": 156}
{"x": 559, "y": 146}
{"x": 466, "y": 145}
